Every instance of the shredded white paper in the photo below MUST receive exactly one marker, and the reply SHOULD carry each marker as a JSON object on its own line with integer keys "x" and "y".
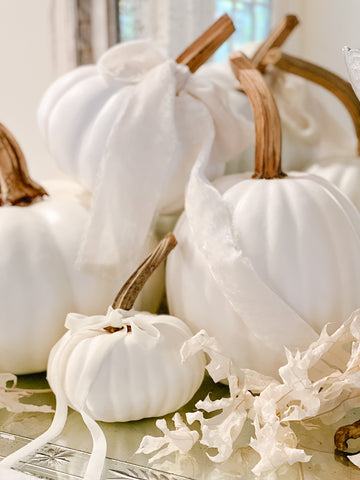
{"x": 321, "y": 382}
{"x": 10, "y": 396}
{"x": 182, "y": 439}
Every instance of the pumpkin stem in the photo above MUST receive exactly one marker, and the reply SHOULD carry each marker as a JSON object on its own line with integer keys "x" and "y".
{"x": 323, "y": 77}
{"x": 345, "y": 433}
{"x": 266, "y": 117}
{"x": 129, "y": 292}
{"x": 207, "y": 44}
{"x": 17, "y": 187}
{"x": 275, "y": 39}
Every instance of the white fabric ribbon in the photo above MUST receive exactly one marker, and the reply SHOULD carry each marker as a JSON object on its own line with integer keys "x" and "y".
{"x": 158, "y": 134}
{"x": 211, "y": 226}
{"x": 81, "y": 327}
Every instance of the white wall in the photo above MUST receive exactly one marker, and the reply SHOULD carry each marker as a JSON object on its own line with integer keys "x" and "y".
{"x": 326, "y": 26}
{"x": 26, "y": 71}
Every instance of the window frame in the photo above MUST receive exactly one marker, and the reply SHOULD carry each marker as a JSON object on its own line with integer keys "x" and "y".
{"x": 83, "y": 29}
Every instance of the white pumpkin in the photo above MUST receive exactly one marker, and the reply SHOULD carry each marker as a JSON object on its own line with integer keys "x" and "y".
{"x": 344, "y": 172}
{"x": 130, "y": 129}
{"x": 265, "y": 262}
{"x": 310, "y": 130}
{"x": 135, "y": 372}
{"x": 83, "y": 109}
{"x": 122, "y": 366}
{"x": 126, "y": 365}
{"x": 40, "y": 282}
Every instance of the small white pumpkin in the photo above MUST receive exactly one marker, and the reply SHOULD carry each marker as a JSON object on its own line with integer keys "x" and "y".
{"x": 122, "y": 366}
{"x": 40, "y": 282}
{"x": 264, "y": 262}
{"x": 126, "y": 365}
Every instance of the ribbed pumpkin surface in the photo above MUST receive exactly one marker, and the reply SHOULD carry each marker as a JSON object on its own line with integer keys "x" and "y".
{"x": 303, "y": 240}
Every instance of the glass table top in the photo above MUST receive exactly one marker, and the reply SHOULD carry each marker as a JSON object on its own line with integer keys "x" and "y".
{"x": 67, "y": 457}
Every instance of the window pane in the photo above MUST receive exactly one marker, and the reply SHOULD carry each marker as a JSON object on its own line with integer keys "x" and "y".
{"x": 251, "y": 19}
{"x": 262, "y": 21}
{"x": 137, "y": 19}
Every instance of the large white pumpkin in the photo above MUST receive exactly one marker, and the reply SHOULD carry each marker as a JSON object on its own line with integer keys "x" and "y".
{"x": 84, "y": 109}
{"x": 266, "y": 262}
{"x": 40, "y": 281}
{"x": 130, "y": 129}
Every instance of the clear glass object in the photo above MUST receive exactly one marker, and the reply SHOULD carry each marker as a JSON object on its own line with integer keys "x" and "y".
{"x": 67, "y": 457}
{"x": 352, "y": 60}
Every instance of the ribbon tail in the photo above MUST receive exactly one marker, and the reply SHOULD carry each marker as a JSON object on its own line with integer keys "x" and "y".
{"x": 98, "y": 454}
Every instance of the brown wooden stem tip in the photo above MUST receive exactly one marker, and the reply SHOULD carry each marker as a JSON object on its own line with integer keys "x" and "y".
{"x": 17, "y": 187}
{"x": 323, "y": 77}
{"x": 276, "y": 39}
{"x": 345, "y": 433}
{"x": 129, "y": 292}
{"x": 266, "y": 117}
{"x": 207, "y": 44}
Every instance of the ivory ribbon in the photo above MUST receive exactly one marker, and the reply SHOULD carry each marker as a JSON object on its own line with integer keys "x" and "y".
{"x": 158, "y": 133}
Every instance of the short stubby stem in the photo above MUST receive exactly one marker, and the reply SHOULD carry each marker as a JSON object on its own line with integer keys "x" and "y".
{"x": 17, "y": 187}
{"x": 207, "y": 44}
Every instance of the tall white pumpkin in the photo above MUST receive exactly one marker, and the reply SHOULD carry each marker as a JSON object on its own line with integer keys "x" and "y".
{"x": 264, "y": 262}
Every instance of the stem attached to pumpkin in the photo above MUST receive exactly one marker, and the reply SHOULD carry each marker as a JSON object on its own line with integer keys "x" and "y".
{"x": 345, "y": 433}
{"x": 17, "y": 187}
{"x": 126, "y": 297}
{"x": 276, "y": 39}
{"x": 207, "y": 44}
{"x": 332, "y": 82}
{"x": 266, "y": 117}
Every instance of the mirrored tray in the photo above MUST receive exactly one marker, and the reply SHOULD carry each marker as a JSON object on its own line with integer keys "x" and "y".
{"x": 67, "y": 458}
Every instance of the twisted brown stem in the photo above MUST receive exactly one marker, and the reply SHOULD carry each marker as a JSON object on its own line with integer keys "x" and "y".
{"x": 323, "y": 77}
{"x": 129, "y": 292}
{"x": 266, "y": 117}
{"x": 17, "y": 187}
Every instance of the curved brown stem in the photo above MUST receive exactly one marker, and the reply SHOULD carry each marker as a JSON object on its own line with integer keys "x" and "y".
{"x": 129, "y": 292}
{"x": 207, "y": 44}
{"x": 323, "y": 77}
{"x": 266, "y": 117}
{"x": 17, "y": 187}
{"x": 276, "y": 39}
{"x": 345, "y": 433}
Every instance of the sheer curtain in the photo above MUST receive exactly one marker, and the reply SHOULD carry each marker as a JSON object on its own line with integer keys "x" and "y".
{"x": 83, "y": 29}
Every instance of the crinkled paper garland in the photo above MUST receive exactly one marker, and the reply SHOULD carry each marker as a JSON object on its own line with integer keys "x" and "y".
{"x": 321, "y": 382}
